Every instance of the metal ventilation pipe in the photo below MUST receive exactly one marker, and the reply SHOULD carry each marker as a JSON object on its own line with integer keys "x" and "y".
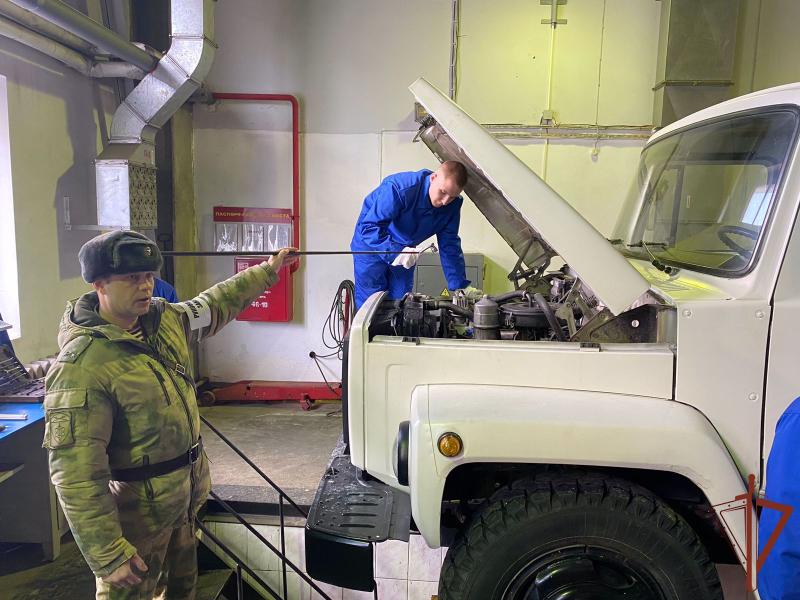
{"x": 696, "y": 46}
{"x": 65, "y": 55}
{"x": 125, "y": 172}
{"x": 90, "y": 30}
{"x": 46, "y": 28}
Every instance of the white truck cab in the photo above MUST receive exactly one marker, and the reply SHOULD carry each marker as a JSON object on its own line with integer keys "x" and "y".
{"x": 585, "y": 435}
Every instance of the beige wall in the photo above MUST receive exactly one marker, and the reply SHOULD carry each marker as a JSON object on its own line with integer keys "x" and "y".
{"x": 768, "y": 44}
{"x": 57, "y": 123}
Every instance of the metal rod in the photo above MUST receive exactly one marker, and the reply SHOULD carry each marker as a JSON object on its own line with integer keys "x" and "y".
{"x": 454, "y": 50}
{"x": 84, "y": 27}
{"x": 236, "y": 559}
{"x": 266, "y": 542}
{"x": 283, "y": 545}
{"x": 693, "y": 83}
{"x": 264, "y": 476}
{"x": 239, "y": 586}
{"x": 274, "y": 252}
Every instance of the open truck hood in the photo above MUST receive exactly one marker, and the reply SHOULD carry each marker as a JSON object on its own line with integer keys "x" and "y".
{"x": 512, "y": 197}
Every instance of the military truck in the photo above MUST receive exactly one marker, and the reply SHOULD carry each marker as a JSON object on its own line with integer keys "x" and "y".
{"x": 587, "y": 434}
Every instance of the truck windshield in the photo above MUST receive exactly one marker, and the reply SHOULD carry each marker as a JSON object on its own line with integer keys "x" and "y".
{"x": 702, "y": 196}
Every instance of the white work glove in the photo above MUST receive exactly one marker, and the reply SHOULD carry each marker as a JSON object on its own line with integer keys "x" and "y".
{"x": 406, "y": 260}
{"x": 473, "y": 291}
{"x": 470, "y": 292}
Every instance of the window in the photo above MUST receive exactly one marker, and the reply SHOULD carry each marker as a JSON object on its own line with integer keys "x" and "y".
{"x": 9, "y": 287}
{"x": 704, "y": 194}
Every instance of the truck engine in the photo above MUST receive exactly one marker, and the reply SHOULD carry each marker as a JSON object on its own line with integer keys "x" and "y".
{"x": 555, "y": 306}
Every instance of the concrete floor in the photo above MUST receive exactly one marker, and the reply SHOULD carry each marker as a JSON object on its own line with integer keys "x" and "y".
{"x": 25, "y": 576}
{"x": 290, "y": 445}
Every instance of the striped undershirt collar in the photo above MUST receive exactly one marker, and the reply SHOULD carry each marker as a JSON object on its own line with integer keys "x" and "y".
{"x": 137, "y": 331}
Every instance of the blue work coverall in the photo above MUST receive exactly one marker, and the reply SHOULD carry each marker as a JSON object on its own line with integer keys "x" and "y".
{"x": 162, "y": 289}
{"x": 399, "y": 213}
{"x": 779, "y": 578}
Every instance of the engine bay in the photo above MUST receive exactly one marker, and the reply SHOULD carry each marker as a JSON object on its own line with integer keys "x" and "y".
{"x": 556, "y": 306}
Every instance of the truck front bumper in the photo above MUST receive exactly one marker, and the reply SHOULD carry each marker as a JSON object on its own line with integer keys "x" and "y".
{"x": 351, "y": 512}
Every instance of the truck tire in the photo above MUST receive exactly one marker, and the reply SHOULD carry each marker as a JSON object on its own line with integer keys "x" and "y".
{"x": 585, "y": 537}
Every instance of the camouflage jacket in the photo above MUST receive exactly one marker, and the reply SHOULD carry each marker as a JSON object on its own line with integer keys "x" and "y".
{"x": 116, "y": 402}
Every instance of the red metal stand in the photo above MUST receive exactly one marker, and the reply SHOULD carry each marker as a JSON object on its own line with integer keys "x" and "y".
{"x": 304, "y": 392}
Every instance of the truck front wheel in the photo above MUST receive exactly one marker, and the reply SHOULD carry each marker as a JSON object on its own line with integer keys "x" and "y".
{"x": 586, "y": 537}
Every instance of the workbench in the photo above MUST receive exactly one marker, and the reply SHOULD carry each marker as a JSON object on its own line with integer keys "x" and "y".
{"x": 29, "y": 511}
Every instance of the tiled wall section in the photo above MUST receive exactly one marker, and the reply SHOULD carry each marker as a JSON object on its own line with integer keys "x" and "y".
{"x": 404, "y": 571}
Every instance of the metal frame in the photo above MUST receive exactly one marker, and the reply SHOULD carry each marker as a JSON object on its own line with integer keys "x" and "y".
{"x": 282, "y": 496}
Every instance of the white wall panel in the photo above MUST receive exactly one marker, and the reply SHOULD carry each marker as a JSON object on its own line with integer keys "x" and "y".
{"x": 339, "y": 172}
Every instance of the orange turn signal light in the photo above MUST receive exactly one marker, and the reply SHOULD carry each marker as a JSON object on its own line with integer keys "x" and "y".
{"x": 450, "y": 444}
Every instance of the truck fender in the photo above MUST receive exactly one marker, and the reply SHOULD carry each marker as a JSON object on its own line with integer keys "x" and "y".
{"x": 511, "y": 424}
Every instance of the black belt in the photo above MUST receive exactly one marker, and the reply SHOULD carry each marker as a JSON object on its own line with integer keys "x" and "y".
{"x": 160, "y": 468}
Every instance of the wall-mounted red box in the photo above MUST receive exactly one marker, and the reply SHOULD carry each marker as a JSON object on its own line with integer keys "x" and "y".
{"x": 275, "y": 304}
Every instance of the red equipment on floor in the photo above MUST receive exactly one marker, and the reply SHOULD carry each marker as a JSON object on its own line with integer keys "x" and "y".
{"x": 304, "y": 392}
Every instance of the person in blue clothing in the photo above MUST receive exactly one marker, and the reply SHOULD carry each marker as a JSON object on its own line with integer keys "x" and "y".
{"x": 402, "y": 212}
{"x": 779, "y": 578}
{"x": 162, "y": 289}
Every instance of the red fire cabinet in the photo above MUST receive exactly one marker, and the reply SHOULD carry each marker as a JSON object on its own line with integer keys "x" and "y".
{"x": 275, "y": 304}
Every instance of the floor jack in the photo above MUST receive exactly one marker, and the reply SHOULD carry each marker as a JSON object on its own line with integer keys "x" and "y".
{"x": 307, "y": 393}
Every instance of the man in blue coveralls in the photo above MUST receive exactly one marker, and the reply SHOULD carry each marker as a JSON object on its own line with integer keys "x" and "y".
{"x": 779, "y": 578}
{"x": 402, "y": 212}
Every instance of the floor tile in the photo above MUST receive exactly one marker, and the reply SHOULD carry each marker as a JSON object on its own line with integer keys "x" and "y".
{"x": 334, "y": 592}
{"x": 392, "y": 589}
{"x": 259, "y": 556}
{"x": 424, "y": 563}
{"x": 391, "y": 560}
{"x": 422, "y": 590}
{"x": 234, "y": 536}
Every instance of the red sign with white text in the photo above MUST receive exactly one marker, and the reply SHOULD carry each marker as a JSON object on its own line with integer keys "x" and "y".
{"x": 275, "y": 304}
{"x": 242, "y": 214}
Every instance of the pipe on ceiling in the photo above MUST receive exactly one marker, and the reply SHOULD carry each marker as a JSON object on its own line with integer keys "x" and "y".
{"x": 67, "y": 56}
{"x": 125, "y": 172}
{"x": 46, "y": 28}
{"x": 77, "y": 23}
{"x": 177, "y": 75}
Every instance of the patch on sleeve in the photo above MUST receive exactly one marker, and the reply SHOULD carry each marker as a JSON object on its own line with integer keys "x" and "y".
{"x": 59, "y": 429}
{"x": 76, "y": 347}
{"x": 198, "y": 311}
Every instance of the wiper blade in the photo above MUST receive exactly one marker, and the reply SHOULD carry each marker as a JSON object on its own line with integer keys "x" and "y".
{"x": 645, "y": 245}
{"x": 653, "y": 260}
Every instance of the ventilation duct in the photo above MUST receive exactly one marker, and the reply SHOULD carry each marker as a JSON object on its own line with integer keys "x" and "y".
{"x": 125, "y": 171}
{"x": 696, "y": 47}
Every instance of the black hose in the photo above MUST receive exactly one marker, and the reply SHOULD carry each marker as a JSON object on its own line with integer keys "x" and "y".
{"x": 551, "y": 317}
{"x": 509, "y": 296}
{"x": 464, "y": 312}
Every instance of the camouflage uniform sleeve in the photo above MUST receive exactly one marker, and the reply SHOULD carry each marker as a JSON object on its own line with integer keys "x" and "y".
{"x": 214, "y": 308}
{"x": 78, "y": 424}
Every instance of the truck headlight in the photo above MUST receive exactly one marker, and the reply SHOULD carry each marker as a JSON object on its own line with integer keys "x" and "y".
{"x": 400, "y": 453}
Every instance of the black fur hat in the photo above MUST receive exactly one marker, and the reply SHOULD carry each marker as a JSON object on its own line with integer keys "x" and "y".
{"x": 117, "y": 253}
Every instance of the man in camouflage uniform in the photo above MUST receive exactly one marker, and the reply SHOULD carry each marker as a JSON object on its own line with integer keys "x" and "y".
{"x": 122, "y": 424}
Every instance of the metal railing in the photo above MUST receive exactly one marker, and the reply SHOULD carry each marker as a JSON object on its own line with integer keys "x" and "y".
{"x": 282, "y": 497}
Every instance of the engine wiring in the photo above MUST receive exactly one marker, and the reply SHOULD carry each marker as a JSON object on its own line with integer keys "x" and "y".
{"x": 334, "y": 330}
